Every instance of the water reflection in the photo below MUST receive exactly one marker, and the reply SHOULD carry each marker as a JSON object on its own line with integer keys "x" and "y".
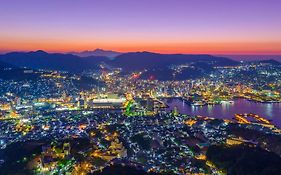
{"x": 227, "y": 110}
{"x": 210, "y": 110}
{"x": 268, "y": 109}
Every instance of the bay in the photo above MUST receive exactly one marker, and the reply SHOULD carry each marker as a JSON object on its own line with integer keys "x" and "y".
{"x": 270, "y": 111}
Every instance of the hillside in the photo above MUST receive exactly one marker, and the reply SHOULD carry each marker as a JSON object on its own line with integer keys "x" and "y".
{"x": 148, "y": 60}
{"x": 44, "y": 60}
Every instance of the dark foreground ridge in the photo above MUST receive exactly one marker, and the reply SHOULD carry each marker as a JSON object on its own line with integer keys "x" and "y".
{"x": 124, "y": 170}
{"x": 243, "y": 159}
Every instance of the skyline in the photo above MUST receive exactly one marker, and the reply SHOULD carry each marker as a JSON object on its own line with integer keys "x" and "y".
{"x": 220, "y": 27}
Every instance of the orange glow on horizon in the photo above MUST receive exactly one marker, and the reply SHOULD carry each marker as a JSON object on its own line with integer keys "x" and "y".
{"x": 259, "y": 48}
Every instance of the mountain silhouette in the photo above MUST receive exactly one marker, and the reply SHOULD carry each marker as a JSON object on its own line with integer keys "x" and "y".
{"x": 43, "y": 60}
{"x": 97, "y": 52}
{"x": 148, "y": 60}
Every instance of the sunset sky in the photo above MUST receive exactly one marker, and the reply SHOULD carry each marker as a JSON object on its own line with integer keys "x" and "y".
{"x": 166, "y": 26}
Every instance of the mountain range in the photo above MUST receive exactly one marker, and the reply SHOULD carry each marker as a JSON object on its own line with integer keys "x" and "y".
{"x": 155, "y": 64}
{"x": 148, "y": 60}
{"x": 97, "y": 52}
{"x": 55, "y": 61}
{"x": 128, "y": 61}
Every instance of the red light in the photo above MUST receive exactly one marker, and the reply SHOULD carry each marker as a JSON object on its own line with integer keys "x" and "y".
{"x": 152, "y": 77}
{"x": 136, "y": 76}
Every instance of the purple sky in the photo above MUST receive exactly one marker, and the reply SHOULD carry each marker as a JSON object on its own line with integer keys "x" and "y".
{"x": 207, "y": 26}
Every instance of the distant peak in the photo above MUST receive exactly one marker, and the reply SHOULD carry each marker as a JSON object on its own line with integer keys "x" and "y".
{"x": 97, "y": 52}
{"x": 144, "y": 52}
{"x": 98, "y": 49}
{"x": 40, "y": 52}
